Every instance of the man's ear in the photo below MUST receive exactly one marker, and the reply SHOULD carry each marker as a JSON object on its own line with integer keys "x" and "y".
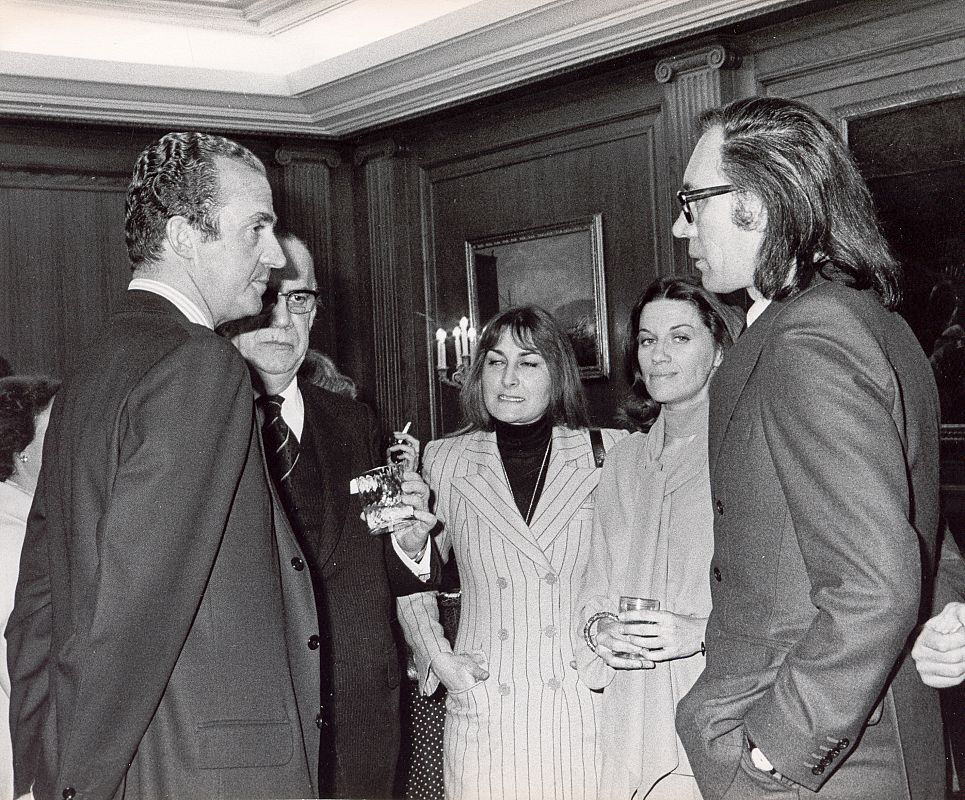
{"x": 749, "y": 212}
{"x": 181, "y": 237}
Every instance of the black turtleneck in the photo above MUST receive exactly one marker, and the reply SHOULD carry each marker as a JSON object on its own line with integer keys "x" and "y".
{"x": 523, "y": 449}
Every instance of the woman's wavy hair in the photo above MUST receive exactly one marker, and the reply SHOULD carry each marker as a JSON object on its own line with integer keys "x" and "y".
{"x": 531, "y": 327}
{"x": 820, "y": 216}
{"x": 22, "y": 398}
{"x": 722, "y": 320}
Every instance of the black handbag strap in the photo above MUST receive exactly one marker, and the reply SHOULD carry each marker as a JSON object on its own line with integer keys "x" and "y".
{"x": 596, "y": 442}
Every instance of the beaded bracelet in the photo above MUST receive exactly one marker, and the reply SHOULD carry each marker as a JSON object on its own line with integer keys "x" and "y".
{"x": 591, "y": 622}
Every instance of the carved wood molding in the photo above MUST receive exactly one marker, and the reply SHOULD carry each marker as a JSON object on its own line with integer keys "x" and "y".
{"x": 380, "y": 184}
{"x": 383, "y": 148}
{"x": 863, "y": 108}
{"x": 62, "y": 181}
{"x": 713, "y": 58}
{"x": 285, "y": 156}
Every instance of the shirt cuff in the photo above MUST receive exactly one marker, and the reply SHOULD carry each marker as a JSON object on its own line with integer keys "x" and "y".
{"x": 421, "y": 567}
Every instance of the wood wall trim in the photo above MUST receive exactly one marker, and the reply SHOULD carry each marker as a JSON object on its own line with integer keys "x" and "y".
{"x": 380, "y": 190}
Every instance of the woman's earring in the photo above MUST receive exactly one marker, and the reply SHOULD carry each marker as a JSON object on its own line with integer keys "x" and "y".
{"x": 24, "y": 458}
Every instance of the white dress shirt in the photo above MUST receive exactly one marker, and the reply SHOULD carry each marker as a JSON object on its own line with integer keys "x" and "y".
{"x": 181, "y": 301}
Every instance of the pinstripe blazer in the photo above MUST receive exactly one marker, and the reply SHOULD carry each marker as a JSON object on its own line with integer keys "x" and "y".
{"x": 529, "y": 730}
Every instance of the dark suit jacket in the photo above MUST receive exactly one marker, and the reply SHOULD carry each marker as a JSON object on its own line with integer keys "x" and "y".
{"x": 824, "y": 478}
{"x": 356, "y": 576}
{"x": 157, "y": 648}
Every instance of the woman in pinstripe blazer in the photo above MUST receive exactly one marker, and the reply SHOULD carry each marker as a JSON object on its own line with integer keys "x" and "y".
{"x": 515, "y": 495}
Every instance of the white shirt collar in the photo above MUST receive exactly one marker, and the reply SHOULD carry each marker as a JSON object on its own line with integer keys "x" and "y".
{"x": 293, "y": 409}
{"x": 181, "y": 301}
{"x": 757, "y": 307}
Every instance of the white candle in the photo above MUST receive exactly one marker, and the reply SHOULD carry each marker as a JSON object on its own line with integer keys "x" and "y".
{"x": 463, "y": 333}
{"x": 441, "y": 349}
{"x": 471, "y": 334}
{"x": 457, "y": 336}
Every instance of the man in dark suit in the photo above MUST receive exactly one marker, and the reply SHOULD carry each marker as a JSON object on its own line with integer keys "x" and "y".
{"x": 824, "y": 477}
{"x": 161, "y": 645}
{"x": 332, "y": 439}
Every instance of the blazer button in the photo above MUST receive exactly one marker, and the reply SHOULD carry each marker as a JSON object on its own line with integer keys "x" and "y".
{"x": 717, "y": 574}
{"x": 573, "y": 664}
{"x": 549, "y": 631}
{"x": 297, "y": 564}
{"x": 843, "y": 743}
{"x": 834, "y": 752}
{"x": 553, "y": 683}
{"x": 320, "y": 717}
{"x": 503, "y": 689}
{"x": 503, "y": 634}
{"x": 502, "y": 583}
{"x": 818, "y": 770}
{"x": 69, "y": 793}
{"x": 719, "y": 506}
{"x": 314, "y": 642}
{"x": 550, "y": 578}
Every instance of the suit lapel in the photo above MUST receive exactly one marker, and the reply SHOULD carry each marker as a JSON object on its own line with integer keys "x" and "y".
{"x": 487, "y": 490}
{"x": 335, "y": 459}
{"x": 570, "y": 479}
{"x": 728, "y": 382}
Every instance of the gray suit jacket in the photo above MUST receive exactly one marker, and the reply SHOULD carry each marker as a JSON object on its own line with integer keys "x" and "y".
{"x": 159, "y": 642}
{"x": 824, "y": 478}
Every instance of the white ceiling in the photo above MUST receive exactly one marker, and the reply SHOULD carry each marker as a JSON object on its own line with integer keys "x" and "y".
{"x": 314, "y": 67}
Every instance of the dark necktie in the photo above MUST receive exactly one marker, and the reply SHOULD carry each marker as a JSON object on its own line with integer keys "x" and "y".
{"x": 281, "y": 446}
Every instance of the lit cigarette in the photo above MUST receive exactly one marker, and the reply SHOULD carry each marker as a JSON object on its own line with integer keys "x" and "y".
{"x": 406, "y": 428}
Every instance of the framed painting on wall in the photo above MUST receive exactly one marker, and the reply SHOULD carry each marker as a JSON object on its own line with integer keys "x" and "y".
{"x": 558, "y": 267}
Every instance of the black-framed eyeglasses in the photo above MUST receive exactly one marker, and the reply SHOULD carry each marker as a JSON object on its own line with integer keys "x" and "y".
{"x": 299, "y": 301}
{"x": 686, "y": 197}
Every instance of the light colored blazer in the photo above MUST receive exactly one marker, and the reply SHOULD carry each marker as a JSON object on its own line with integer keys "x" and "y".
{"x": 652, "y": 537}
{"x": 532, "y": 718}
{"x": 824, "y": 477}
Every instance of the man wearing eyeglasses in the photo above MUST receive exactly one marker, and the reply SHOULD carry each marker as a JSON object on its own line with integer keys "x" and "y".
{"x": 823, "y": 455}
{"x": 332, "y": 439}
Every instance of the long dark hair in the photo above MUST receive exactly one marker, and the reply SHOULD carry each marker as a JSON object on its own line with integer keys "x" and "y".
{"x": 723, "y": 321}
{"x": 22, "y": 398}
{"x": 531, "y": 327}
{"x": 820, "y": 216}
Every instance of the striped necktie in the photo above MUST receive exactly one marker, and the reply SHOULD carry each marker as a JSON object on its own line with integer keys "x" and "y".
{"x": 281, "y": 445}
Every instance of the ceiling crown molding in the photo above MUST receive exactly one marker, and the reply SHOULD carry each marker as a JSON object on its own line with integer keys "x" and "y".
{"x": 402, "y": 76}
{"x": 263, "y": 17}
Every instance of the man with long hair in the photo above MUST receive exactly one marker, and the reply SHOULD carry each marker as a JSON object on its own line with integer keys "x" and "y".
{"x": 824, "y": 476}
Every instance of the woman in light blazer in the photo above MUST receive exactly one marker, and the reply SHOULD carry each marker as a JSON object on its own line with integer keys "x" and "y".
{"x": 653, "y": 537}
{"x": 514, "y": 493}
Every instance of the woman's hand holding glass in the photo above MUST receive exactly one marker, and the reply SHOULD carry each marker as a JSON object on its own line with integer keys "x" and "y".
{"x": 622, "y": 644}
{"x": 460, "y": 672}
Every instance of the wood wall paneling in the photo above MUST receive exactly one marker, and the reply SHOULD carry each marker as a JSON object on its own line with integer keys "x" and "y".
{"x": 607, "y": 169}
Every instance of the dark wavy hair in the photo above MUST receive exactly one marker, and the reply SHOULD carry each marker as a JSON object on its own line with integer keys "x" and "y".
{"x": 722, "y": 320}
{"x": 22, "y": 398}
{"x": 531, "y": 327}
{"x": 177, "y": 176}
{"x": 820, "y": 216}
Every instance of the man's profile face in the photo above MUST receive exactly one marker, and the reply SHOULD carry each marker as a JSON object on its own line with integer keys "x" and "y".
{"x": 725, "y": 254}
{"x": 277, "y": 350}
{"x": 232, "y": 271}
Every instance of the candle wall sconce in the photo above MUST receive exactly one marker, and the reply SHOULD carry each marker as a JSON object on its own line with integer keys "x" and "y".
{"x": 464, "y": 346}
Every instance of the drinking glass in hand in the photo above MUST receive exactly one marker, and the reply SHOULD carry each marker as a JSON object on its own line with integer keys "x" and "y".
{"x": 637, "y": 604}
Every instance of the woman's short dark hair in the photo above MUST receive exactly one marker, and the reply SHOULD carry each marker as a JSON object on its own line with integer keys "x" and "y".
{"x": 722, "y": 320}
{"x": 531, "y": 327}
{"x": 22, "y": 398}
{"x": 820, "y": 215}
